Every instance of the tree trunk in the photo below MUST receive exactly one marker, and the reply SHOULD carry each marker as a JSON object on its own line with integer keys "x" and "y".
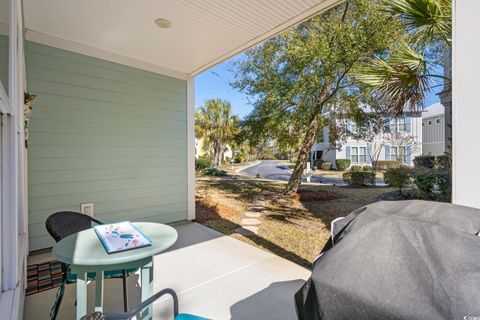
{"x": 307, "y": 145}
{"x": 217, "y": 154}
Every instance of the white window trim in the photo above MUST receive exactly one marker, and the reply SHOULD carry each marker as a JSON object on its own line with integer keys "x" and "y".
{"x": 362, "y": 155}
{"x": 398, "y": 155}
{"x": 356, "y": 154}
{"x": 402, "y": 121}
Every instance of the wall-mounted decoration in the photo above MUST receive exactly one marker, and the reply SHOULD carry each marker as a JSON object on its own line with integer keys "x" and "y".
{"x": 27, "y": 113}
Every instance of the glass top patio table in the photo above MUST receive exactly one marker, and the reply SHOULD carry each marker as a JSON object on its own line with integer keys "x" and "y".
{"x": 84, "y": 252}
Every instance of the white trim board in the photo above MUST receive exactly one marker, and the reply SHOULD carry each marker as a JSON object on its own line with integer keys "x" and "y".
{"x": 191, "y": 148}
{"x": 76, "y": 47}
{"x": 465, "y": 113}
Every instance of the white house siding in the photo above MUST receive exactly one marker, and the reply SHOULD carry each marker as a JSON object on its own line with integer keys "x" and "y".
{"x": 344, "y": 151}
{"x": 433, "y": 129}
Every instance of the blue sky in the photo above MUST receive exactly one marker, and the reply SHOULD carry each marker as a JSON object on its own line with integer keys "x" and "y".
{"x": 215, "y": 83}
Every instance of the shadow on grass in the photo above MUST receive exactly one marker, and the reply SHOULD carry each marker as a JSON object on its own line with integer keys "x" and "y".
{"x": 246, "y": 189}
{"x": 215, "y": 220}
{"x": 292, "y": 228}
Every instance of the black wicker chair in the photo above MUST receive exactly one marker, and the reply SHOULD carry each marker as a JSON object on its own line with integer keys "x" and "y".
{"x": 64, "y": 223}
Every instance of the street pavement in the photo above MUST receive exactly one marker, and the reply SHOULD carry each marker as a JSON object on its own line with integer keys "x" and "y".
{"x": 279, "y": 170}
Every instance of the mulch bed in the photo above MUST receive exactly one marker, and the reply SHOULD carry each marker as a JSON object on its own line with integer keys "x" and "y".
{"x": 43, "y": 276}
{"x": 314, "y": 195}
{"x": 207, "y": 209}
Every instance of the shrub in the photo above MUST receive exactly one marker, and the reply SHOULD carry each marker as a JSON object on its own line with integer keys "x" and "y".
{"x": 428, "y": 180}
{"x": 314, "y": 195}
{"x": 214, "y": 172}
{"x": 384, "y": 165}
{"x": 326, "y": 166}
{"x": 203, "y": 162}
{"x": 425, "y": 161}
{"x": 359, "y": 178}
{"x": 240, "y": 157}
{"x": 443, "y": 162}
{"x": 367, "y": 168}
{"x": 356, "y": 168}
{"x": 267, "y": 156}
{"x": 444, "y": 181}
{"x": 425, "y": 180}
{"x": 398, "y": 177}
{"x": 444, "y": 176}
{"x": 318, "y": 163}
{"x": 342, "y": 164}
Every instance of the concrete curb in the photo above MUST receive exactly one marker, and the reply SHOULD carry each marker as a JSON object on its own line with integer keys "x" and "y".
{"x": 246, "y": 167}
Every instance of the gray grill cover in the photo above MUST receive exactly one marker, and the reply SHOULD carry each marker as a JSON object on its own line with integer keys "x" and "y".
{"x": 398, "y": 260}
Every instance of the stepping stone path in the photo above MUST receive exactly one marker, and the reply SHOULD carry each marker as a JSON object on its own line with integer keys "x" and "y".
{"x": 247, "y": 230}
{"x": 251, "y": 223}
{"x": 251, "y": 214}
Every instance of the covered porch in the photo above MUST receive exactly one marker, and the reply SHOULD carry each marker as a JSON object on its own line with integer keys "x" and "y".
{"x": 113, "y": 125}
{"x": 113, "y": 128}
{"x": 214, "y": 275}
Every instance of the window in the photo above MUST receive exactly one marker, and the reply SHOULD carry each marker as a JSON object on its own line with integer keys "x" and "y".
{"x": 401, "y": 155}
{"x": 319, "y": 137}
{"x": 354, "y": 154}
{"x": 393, "y": 153}
{"x": 423, "y": 123}
{"x": 429, "y": 122}
{"x": 363, "y": 155}
{"x": 398, "y": 154}
{"x": 437, "y": 120}
{"x": 354, "y": 127}
{"x": 401, "y": 126}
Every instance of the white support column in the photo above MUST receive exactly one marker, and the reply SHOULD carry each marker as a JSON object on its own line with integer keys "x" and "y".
{"x": 466, "y": 110}
{"x": 191, "y": 147}
{"x": 10, "y": 158}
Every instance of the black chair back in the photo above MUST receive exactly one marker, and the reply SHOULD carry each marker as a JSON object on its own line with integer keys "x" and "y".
{"x": 64, "y": 223}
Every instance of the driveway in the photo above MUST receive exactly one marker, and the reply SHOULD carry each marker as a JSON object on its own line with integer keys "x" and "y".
{"x": 279, "y": 170}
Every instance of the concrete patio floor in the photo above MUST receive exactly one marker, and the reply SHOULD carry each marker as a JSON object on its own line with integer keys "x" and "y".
{"x": 215, "y": 276}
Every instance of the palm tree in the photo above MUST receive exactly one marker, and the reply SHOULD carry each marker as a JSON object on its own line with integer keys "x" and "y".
{"x": 215, "y": 123}
{"x": 403, "y": 79}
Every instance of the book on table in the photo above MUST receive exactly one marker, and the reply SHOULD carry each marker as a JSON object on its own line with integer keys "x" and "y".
{"x": 121, "y": 236}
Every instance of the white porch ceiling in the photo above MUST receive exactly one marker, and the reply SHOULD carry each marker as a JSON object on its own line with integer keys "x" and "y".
{"x": 203, "y": 32}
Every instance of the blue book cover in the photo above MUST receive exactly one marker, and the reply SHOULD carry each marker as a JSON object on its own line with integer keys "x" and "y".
{"x": 121, "y": 236}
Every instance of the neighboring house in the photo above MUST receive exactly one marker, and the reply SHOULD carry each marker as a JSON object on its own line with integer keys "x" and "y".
{"x": 446, "y": 101}
{"x": 433, "y": 130}
{"x": 400, "y": 140}
{"x": 201, "y": 149}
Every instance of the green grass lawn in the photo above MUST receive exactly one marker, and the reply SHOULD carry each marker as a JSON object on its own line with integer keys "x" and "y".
{"x": 291, "y": 228}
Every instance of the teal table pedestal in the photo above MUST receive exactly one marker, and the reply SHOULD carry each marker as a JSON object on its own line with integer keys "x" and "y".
{"x": 85, "y": 253}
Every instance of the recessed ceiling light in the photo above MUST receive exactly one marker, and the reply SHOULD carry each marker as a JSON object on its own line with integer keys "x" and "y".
{"x": 163, "y": 23}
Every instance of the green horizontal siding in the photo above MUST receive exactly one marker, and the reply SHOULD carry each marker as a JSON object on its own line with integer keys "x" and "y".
{"x": 105, "y": 133}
